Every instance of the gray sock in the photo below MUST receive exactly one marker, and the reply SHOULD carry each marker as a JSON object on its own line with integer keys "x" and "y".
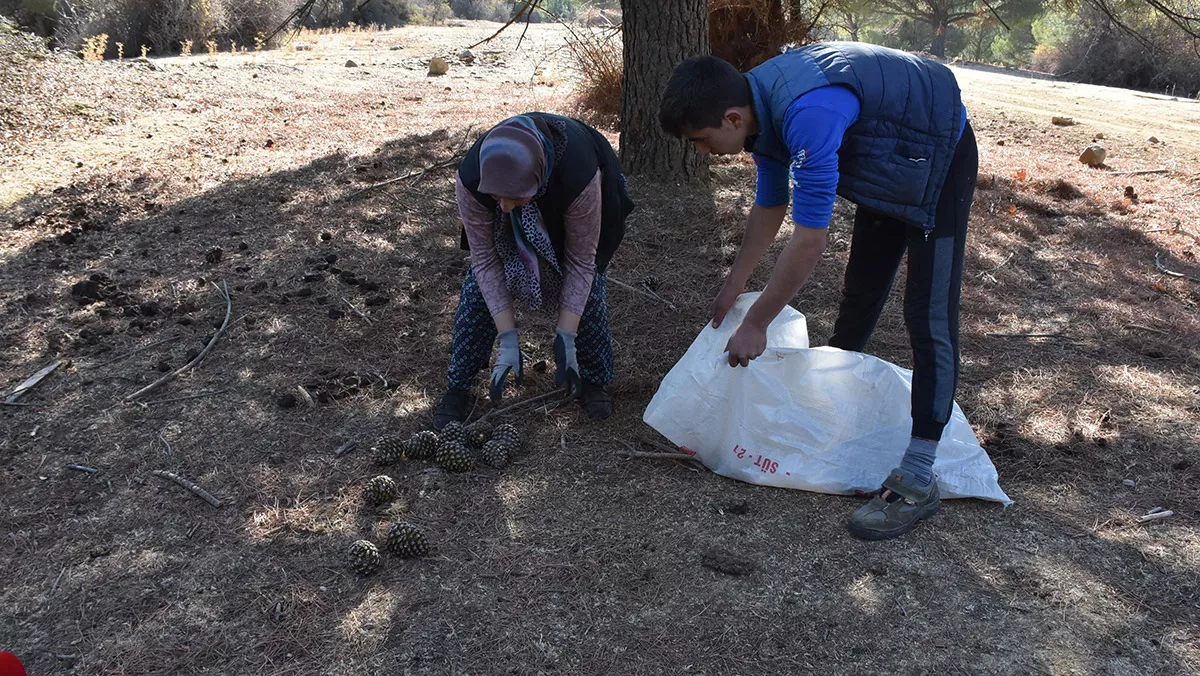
{"x": 918, "y": 460}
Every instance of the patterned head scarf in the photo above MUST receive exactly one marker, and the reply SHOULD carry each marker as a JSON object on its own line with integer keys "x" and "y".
{"x": 512, "y": 159}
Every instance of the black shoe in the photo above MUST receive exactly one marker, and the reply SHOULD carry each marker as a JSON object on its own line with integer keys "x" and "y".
{"x": 455, "y": 406}
{"x": 596, "y": 401}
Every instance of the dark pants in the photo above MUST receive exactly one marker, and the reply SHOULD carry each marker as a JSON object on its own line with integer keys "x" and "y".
{"x": 475, "y": 332}
{"x": 931, "y": 296}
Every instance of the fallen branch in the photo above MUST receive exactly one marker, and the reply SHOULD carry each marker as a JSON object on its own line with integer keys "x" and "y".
{"x": 1025, "y": 335}
{"x": 419, "y": 173}
{"x": 1156, "y": 516}
{"x": 13, "y": 404}
{"x": 1161, "y": 268}
{"x": 1173, "y": 99}
{"x": 199, "y": 358}
{"x": 632, "y": 452}
{"x": 58, "y": 579}
{"x": 191, "y": 396}
{"x": 1138, "y": 172}
{"x": 344, "y": 449}
{"x": 1002, "y": 264}
{"x": 357, "y": 311}
{"x": 83, "y": 468}
{"x": 31, "y": 383}
{"x": 205, "y": 495}
{"x": 129, "y": 354}
{"x": 1146, "y": 328}
{"x": 655, "y": 455}
{"x": 522, "y": 404}
{"x": 645, "y": 292}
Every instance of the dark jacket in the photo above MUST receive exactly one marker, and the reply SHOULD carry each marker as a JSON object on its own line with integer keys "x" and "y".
{"x": 586, "y": 151}
{"x": 895, "y": 158}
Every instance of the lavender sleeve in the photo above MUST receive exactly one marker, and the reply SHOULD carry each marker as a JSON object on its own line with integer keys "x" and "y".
{"x": 485, "y": 262}
{"x": 582, "y": 224}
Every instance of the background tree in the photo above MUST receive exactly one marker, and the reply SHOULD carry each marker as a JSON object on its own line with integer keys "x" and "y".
{"x": 657, "y": 35}
{"x": 940, "y": 15}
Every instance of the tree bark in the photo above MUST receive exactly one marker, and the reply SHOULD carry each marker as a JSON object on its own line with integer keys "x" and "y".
{"x": 940, "y": 27}
{"x": 657, "y": 35}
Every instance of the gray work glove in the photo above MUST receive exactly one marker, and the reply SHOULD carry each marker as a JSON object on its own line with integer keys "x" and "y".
{"x": 508, "y": 359}
{"x": 566, "y": 372}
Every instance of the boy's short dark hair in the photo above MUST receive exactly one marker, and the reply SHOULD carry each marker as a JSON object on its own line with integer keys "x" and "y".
{"x": 699, "y": 92}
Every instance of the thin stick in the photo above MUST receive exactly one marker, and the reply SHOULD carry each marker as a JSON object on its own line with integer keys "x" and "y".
{"x": 1024, "y": 335}
{"x": 14, "y": 404}
{"x": 83, "y": 468}
{"x": 58, "y": 579}
{"x": 1156, "y": 516}
{"x": 1146, "y": 328}
{"x": 191, "y": 396}
{"x": 632, "y": 452}
{"x": 205, "y": 495}
{"x": 1002, "y": 264}
{"x": 417, "y": 174}
{"x": 357, "y": 311}
{"x": 522, "y": 404}
{"x": 1161, "y": 268}
{"x": 344, "y": 449}
{"x": 655, "y": 455}
{"x": 129, "y": 354}
{"x": 1139, "y": 172}
{"x": 31, "y": 382}
{"x": 200, "y": 357}
{"x": 646, "y": 293}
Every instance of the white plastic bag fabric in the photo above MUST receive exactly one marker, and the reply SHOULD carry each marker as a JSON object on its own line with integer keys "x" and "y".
{"x": 819, "y": 419}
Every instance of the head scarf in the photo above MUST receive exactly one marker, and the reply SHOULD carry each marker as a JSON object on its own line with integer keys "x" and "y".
{"x": 512, "y": 159}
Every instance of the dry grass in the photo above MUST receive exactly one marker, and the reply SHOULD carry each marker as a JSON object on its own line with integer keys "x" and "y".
{"x": 597, "y": 57}
{"x": 572, "y": 560}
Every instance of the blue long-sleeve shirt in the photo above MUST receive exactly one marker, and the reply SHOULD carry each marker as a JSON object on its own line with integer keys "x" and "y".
{"x": 812, "y": 129}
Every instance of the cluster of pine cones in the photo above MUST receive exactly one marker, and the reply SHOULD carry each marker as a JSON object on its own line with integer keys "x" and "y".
{"x": 454, "y": 450}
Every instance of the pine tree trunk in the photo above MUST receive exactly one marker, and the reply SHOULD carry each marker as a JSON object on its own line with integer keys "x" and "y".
{"x": 658, "y": 34}
{"x": 940, "y": 28}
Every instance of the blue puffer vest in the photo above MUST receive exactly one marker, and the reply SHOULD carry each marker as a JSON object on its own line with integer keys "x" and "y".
{"x": 895, "y": 158}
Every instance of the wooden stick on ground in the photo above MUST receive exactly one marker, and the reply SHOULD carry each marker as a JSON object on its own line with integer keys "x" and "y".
{"x": 522, "y": 404}
{"x": 1139, "y": 172}
{"x": 644, "y": 292}
{"x": 191, "y": 396}
{"x": 83, "y": 468}
{"x": 1025, "y": 335}
{"x": 1146, "y": 328}
{"x": 1161, "y": 268}
{"x": 632, "y": 452}
{"x": 357, "y": 311}
{"x": 1156, "y": 516}
{"x": 205, "y": 495}
{"x": 31, "y": 383}
{"x": 344, "y": 449}
{"x": 418, "y": 174}
{"x": 134, "y": 351}
{"x": 224, "y": 289}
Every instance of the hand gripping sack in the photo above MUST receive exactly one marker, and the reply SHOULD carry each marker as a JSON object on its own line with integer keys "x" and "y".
{"x": 819, "y": 419}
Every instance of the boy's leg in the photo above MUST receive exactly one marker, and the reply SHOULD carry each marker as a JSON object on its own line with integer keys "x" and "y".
{"x": 931, "y": 296}
{"x": 470, "y": 352}
{"x": 931, "y": 301}
{"x": 875, "y": 252}
{"x": 593, "y": 346}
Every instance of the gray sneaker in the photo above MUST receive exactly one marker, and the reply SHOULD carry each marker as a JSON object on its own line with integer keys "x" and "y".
{"x": 896, "y": 509}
